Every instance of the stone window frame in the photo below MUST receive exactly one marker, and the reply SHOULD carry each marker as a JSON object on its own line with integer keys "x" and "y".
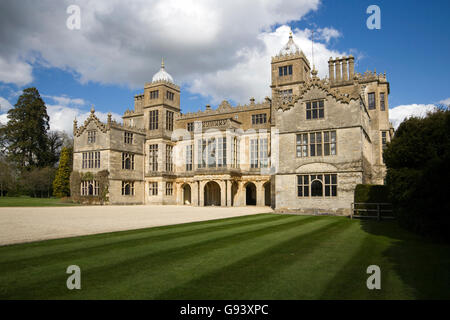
{"x": 130, "y": 191}
{"x": 153, "y": 119}
{"x": 85, "y": 188}
{"x": 286, "y": 70}
{"x": 169, "y": 188}
{"x": 127, "y": 161}
{"x": 169, "y": 120}
{"x": 212, "y": 150}
{"x": 221, "y": 152}
{"x": 382, "y": 101}
{"x": 286, "y": 94}
{"x": 304, "y": 146}
{"x": 260, "y": 118}
{"x": 169, "y": 158}
{"x": 92, "y": 136}
{"x": 372, "y": 101}
{"x": 170, "y": 95}
{"x": 189, "y": 157}
{"x": 235, "y": 152}
{"x": 190, "y": 126}
{"x": 154, "y": 94}
{"x": 328, "y": 181}
{"x": 316, "y": 106}
{"x": 153, "y": 157}
{"x": 384, "y": 139}
{"x": 128, "y": 137}
{"x": 90, "y": 160}
{"x": 153, "y": 188}
{"x": 201, "y": 153}
{"x": 259, "y": 153}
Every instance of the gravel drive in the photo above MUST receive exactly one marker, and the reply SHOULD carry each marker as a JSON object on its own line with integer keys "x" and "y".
{"x": 19, "y": 225}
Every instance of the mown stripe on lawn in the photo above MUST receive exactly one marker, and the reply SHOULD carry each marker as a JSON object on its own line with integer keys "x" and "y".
{"x": 151, "y": 261}
{"x": 48, "y": 248}
{"x": 150, "y": 278}
{"x": 252, "y": 277}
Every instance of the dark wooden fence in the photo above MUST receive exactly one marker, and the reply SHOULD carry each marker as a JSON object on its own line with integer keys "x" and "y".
{"x": 377, "y": 211}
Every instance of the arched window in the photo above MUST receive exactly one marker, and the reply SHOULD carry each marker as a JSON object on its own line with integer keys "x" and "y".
{"x": 316, "y": 188}
{"x": 91, "y": 189}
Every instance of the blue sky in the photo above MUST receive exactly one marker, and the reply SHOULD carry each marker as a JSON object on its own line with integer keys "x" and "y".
{"x": 209, "y": 60}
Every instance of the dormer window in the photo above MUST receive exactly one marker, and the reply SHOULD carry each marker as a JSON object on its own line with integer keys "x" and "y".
{"x": 91, "y": 136}
{"x": 285, "y": 71}
{"x": 315, "y": 110}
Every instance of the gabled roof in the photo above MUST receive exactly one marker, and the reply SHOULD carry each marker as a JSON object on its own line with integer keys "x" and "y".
{"x": 286, "y": 103}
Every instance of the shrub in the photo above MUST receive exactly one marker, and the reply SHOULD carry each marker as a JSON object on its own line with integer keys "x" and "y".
{"x": 417, "y": 176}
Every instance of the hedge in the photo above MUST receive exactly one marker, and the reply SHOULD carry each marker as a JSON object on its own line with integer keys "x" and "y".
{"x": 370, "y": 193}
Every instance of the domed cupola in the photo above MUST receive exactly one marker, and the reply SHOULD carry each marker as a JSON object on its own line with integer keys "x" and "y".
{"x": 162, "y": 75}
{"x": 290, "y": 47}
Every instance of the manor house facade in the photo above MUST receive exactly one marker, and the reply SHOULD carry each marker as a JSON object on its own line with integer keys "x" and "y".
{"x": 303, "y": 149}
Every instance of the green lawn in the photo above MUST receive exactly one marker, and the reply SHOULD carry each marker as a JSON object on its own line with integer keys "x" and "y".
{"x": 264, "y": 256}
{"x": 32, "y": 202}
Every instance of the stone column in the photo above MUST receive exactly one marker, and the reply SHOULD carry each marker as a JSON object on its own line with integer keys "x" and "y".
{"x": 194, "y": 194}
{"x": 259, "y": 194}
{"x": 201, "y": 194}
{"x": 344, "y": 69}
{"x": 223, "y": 194}
{"x": 229, "y": 196}
{"x": 331, "y": 70}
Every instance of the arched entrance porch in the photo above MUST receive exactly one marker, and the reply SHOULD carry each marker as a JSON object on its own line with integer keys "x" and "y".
{"x": 212, "y": 194}
{"x": 187, "y": 197}
{"x": 250, "y": 194}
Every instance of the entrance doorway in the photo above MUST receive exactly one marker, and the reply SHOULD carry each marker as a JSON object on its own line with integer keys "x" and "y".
{"x": 250, "y": 194}
{"x": 187, "y": 194}
{"x": 212, "y": 194}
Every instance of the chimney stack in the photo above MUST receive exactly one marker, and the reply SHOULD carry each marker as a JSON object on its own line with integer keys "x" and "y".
{"x": 331, "y": 69}
{"x": 351, "y": 64}
{"x": 338, "y": 70}
{"x": 344, "y": 69}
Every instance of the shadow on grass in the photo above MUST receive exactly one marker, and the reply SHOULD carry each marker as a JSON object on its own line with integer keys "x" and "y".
{"x": 412, "y": 267}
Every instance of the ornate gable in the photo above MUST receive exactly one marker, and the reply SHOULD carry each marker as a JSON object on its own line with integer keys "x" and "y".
{"x": 92, "y": 118}
{"x": 286, "y": 103}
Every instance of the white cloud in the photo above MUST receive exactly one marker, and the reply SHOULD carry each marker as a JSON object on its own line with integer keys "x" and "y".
{"x": 5, "y": 105}
{"x": 445, "y": 102}
{"x": 61, "y": 117}
{"x": 403, "y": 112}
{"x": 15, "y": 71}
{"x": 328, "y": 33}
{"x": 250, "y": 77}
{"x": 122, "y": 42}
{"x": 65, "y": 101}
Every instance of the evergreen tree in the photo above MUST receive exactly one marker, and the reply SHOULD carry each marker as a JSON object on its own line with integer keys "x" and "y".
{"x": 61, "y": 184}
{"x": 25, "y": 133}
